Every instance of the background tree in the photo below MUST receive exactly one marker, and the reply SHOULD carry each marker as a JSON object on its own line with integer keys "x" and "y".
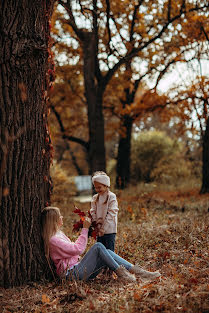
{"x": 25, "y": 148}
{"x": 193, "y": 100}
{"x": 101, "y": 37}
{"x": 157, "y": 61}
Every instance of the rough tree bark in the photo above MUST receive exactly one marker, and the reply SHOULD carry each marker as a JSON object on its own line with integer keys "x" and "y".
{"x": 205, "y": 160}
{"x": 24, "y": 138}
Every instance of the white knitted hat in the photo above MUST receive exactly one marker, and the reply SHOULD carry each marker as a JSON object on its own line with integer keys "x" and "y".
{"x": 102, "y": 179}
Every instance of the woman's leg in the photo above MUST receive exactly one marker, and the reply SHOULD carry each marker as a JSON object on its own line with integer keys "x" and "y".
{"x": 92, "y": 263}
{"x": 134, "y": 269}
{"x": 120, "y": 260}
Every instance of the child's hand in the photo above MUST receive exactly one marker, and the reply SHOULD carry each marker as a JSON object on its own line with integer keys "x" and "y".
{"x": 99, "y": 221}
{"x": 99, "y": 226}
{"x": 87, "y": 222}
{"x": 101, "y": 232}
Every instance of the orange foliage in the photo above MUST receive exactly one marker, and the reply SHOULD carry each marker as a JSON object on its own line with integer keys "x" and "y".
{"x": 132, "y": 41}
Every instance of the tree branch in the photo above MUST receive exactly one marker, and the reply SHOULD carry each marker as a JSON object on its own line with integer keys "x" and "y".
{"x": 134, "y": 19}
{"x": 95, "y": 29}
{"x": 135, "y": 51}
{"x": 62, "y": 128}
{"x": 169, "y": 10}
{"x": 71, "y": 20}
{"x": 108, "y": 24}
{"x": 206, "y": 35}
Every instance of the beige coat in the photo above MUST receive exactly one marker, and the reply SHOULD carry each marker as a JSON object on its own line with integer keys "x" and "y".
{"x": 108, "y": 211}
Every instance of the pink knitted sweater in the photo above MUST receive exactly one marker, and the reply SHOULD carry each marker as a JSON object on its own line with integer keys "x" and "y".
{"x": 65, "y": 253}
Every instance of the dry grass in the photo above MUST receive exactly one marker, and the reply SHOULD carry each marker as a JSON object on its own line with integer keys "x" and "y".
{"x": 165, "y": 230}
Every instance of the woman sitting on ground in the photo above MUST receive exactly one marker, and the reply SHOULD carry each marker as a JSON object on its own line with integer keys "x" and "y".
{"x": 66, "y": 254}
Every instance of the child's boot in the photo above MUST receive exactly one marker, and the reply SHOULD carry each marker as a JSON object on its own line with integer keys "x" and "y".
{"x": 139, "y": 271}
{"x": 125, "y": 275}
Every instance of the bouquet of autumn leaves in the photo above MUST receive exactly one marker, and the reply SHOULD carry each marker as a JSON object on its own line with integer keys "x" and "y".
{"x": 93, "y": 231}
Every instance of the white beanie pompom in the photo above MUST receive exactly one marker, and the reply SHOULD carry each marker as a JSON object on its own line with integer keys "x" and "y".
{"x": 102, "y": 179}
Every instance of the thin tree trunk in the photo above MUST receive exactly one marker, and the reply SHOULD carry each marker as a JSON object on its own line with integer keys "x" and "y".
{"x": 24, "y": 138}
{"x": 205, "y": 161}
{"x": 124, "y": 153}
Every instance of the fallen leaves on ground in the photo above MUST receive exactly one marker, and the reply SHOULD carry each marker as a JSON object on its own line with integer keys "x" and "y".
{"x": 157, "y": 234}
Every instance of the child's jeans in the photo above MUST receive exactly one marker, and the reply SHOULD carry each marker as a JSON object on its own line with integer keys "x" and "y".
{"x": 108, "y": 240}
{"x": 97, "y": 258}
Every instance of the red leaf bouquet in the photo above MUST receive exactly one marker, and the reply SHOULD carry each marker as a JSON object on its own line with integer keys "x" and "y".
{"x": 77, "y": 226}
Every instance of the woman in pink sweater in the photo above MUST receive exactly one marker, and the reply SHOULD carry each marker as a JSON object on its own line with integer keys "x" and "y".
{"x": 66, "y": 254}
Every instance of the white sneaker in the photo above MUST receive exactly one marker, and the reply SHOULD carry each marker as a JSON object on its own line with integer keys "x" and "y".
{"x": 125, "y": 275}
{"x": 136, "y": 269}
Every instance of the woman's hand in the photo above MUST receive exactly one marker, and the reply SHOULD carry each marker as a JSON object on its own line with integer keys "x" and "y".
{"x": 87, "y": 222}
{"x": 100, "y": 220}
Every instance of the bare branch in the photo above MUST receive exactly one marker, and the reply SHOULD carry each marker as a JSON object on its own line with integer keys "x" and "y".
{"x": 74, "y": 91}
{"x": 135, "y": 51}
{"x": 121, "y": 37}
{"x": 183, "y": 7}
{"x": 80, "y": 172}
{"x": 62, "y": 128}
{"x": 71, "y": 20}
{"x": 162, "y": 73}
{"x": 108, "y": 24}
{"x": 134, "y": 19}
{"x": 206, "y": 35}
{"x": 169, "y": 10}
{"x": 158, "y": 106}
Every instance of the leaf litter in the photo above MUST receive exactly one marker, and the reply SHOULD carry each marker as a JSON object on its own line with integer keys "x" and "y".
{"x": 154, "y": 232}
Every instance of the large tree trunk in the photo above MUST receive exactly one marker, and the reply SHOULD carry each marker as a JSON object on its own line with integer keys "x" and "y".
{"x": 94, "y": 94}
{"x": 24, "y": 138}
{"x": 205, "y": 161}
{"x": 124, "y": 153}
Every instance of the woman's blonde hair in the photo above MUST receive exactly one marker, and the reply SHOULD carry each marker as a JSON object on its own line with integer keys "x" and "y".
{"x": 49, "y": 222}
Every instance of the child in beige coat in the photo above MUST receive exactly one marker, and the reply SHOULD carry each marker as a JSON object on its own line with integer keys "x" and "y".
{"x": 104, "y": 210}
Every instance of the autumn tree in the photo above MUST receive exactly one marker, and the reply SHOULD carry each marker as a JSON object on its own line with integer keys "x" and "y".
{"x": 193, "y": 101}
{"x": 25, "y": 148}
{"x": 158, "y": 59}
{"x": 101, "y": 36}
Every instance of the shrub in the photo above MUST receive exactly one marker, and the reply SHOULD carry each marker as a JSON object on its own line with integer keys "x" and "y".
{"x": 148, "y": 149}
{"x": 172, "y": 169}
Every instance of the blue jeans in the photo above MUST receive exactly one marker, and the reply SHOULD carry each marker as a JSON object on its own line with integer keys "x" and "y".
{"x": 108, "y": 240}
{"x": 97, "y": 258}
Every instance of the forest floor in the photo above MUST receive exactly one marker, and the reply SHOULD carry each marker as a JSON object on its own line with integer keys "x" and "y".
{"x": 161, "y": 229}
